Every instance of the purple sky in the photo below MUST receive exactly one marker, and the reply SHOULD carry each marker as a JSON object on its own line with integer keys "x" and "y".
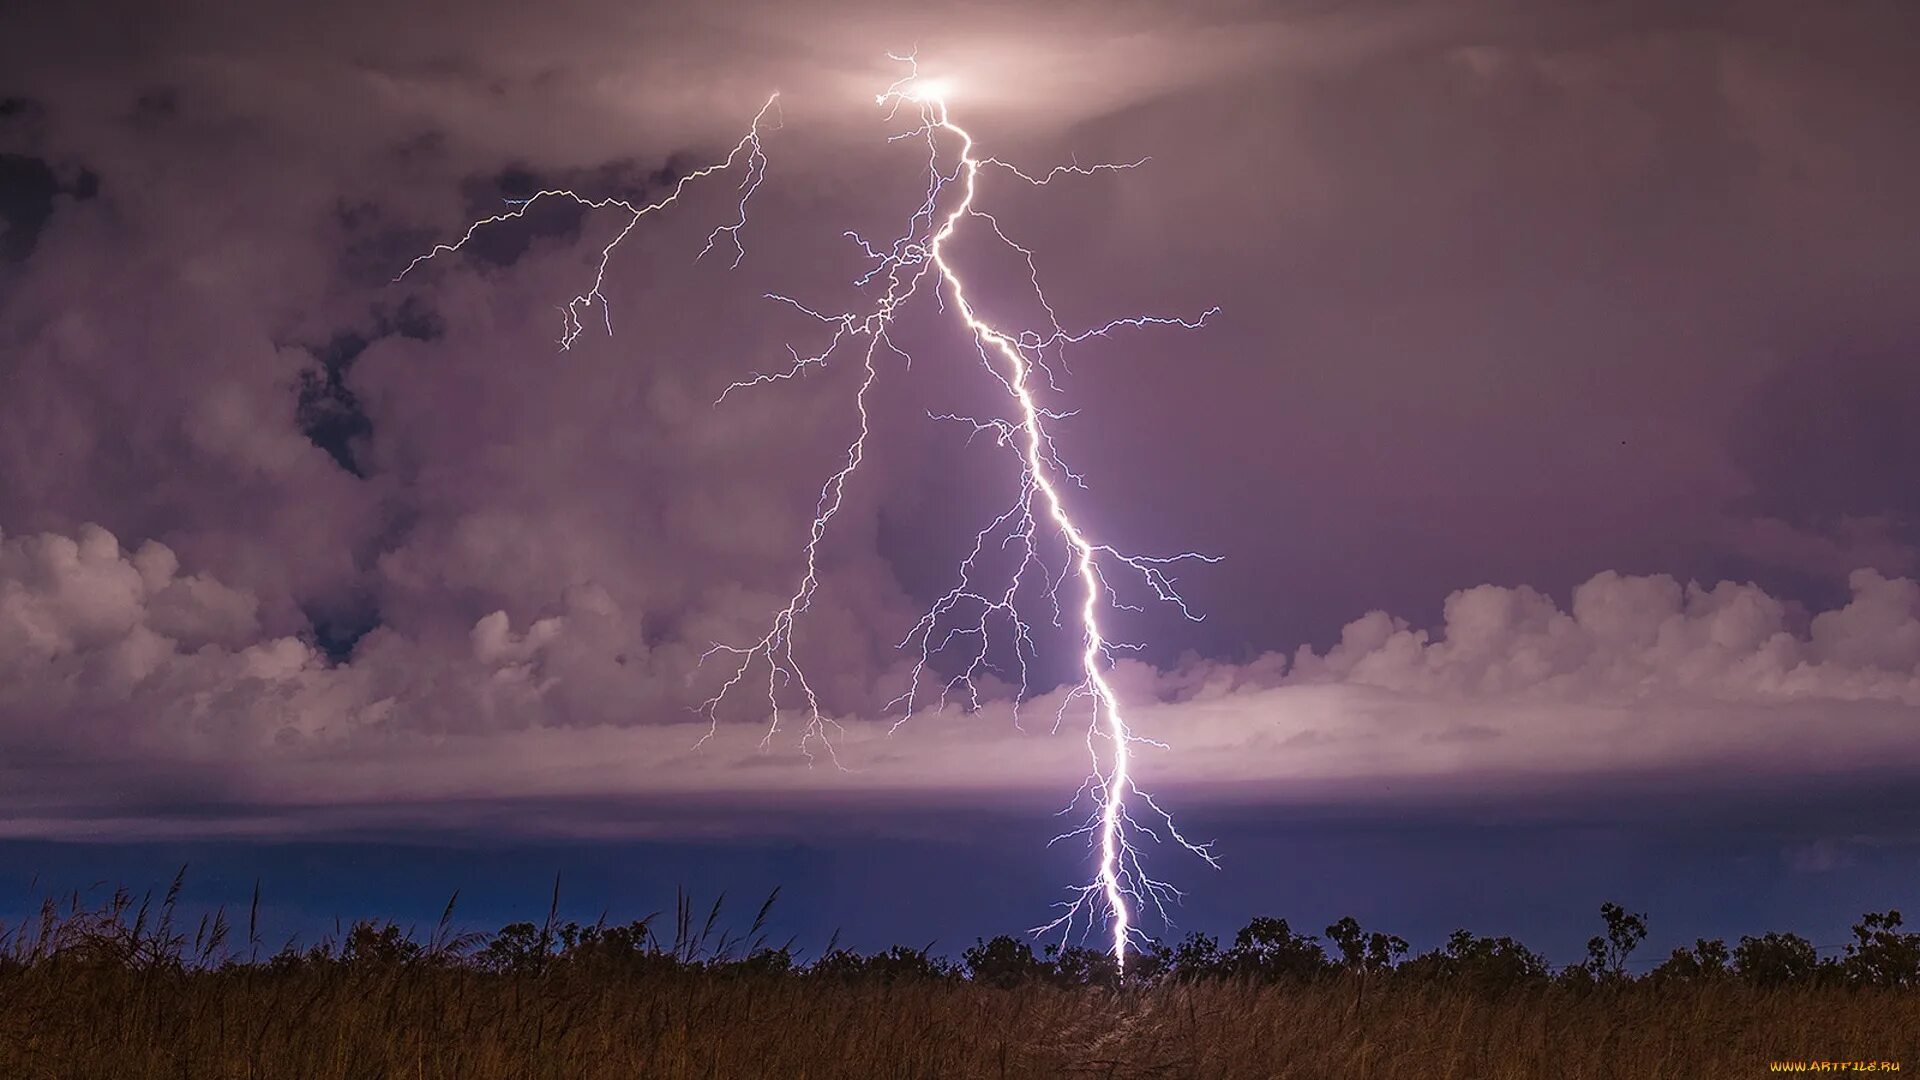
{"x": 1557, "y": 430}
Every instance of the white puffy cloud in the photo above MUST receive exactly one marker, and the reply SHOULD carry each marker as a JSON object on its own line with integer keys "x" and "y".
{"x": 1627, "y": 638}
{"x": 135, "y": 669}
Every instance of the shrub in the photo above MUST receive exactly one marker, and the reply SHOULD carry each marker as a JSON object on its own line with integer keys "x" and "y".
{"x": 1268, "y": 950}
{"x": 1880, "y": 955}
{"x": 1776, "y": 959}
{"x": 898, "y": 964}
{"x": 517, "y": 949}
{"x": 1486, "y": 962}
{"x": 1197, "y": 956}
{"x": 1708, "y": 959}
{"x": 1004, "y": 962}
{"x": 379, "y": 944}
{"x": 1077, "y": 965}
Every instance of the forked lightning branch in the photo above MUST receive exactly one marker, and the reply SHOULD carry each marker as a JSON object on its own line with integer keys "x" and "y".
{"x": 1032, "y": 560}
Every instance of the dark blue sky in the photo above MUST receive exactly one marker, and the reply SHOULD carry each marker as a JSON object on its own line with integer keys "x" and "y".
{"x": 1761, "y": 860}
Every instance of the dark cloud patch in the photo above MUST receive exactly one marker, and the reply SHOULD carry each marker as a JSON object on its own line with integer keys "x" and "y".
{"x": 500, "y": 193}
{"x": 337, "y": 629}
{"x": 27, "y": 188}
{"x": 329, "y": 414}
{"x": 374, "y": 245}
{"x": 30, "y": 188}
{"x": 23, "y": 122}
{"x": 413, "y": 319}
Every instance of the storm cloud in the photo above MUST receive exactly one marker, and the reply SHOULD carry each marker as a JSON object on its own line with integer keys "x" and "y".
{"x": 1578, "y": 341}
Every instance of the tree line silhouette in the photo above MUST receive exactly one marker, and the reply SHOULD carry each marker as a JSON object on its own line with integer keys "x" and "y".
{"x": 120, "y": 932}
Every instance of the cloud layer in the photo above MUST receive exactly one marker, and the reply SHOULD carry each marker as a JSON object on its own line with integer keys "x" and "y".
{"x": 117, "y": 664}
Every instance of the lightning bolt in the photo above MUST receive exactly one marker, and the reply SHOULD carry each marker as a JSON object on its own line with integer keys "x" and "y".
{"x": 747, "y": 153}
{"x": 1049, "y": 546}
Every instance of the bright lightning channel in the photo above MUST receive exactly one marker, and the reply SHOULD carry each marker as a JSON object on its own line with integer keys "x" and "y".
{"x": 983, "y": 615}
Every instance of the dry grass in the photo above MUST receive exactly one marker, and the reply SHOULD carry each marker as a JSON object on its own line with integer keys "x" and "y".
{"x": 122, "y": 990}
{"x": 347, "y": 1022}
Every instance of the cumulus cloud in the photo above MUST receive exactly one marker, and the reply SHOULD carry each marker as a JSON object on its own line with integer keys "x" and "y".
{"x": 1626, "y": 638}
{"x": 144, "y": 671}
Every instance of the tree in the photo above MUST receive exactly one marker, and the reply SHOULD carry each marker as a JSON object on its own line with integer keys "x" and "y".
{"x": 1776, "y": 959}
{"x": 1880, "y": 954}
{"x": 1004, "y": 962}
{"x": 1361, "y": 952}
{"x": 1490, "y": 963}
{"x": 897, "y": 964}
{"x": 1267, "y": 949}
{"x": 1198, "y": 956}
{"x": 386, "y": 943}
{"x": 1077, "y": 965}
{"x": 1149, "y": 963}
{"x": 1708, "y": 959}
{"x": 517, "y": 949}
{"x": 1607, "y": 956}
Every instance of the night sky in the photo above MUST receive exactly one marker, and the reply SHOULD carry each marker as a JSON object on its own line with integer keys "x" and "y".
{"x": 1556, "y": 434}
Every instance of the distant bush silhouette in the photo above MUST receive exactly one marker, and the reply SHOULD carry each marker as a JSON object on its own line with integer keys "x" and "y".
{"x": 1004, "y": 961}
{"x": 1197, "y": 957}
{"x": 1775, "y": 959}
{"x": 124, "y": 934}
{"x": 515, "y": 949}
{"x": 897, "y": 964}
{"x": 1267, "y": 949}
{"x": 127, "y": 987}
{"x": 1365, "y": 953}
{"x": 1880, "y": 955}
{"x": 1707, "y": 959}
{"x": 1486, "y": 962}
{"x": 379, "y": 944}
{"x": 1077, "y": 965}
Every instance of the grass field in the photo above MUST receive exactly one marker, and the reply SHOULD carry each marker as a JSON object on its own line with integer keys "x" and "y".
{"x": 119, "y": 990}
{"x": 395, "y": 1022}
